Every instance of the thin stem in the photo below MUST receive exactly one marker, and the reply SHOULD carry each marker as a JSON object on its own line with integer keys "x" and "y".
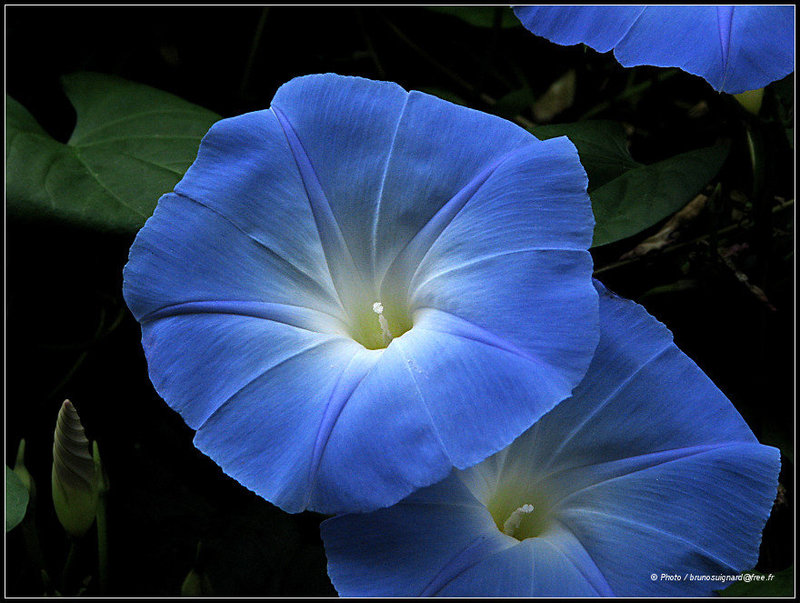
{"x": 457, "y": 79}
{"x": 99, "y": 336}
{"x": 100, "y": 516}
{"x": 253, "y": 50}
{"x": 488, "y": 56}
{"x": 69, "y": 565}
{"x": 102, "y": 542}
{"x": 91, "y": 342}
{"x": 679, "y": 246}
{"x": 30, "y": 535}
{"x": 370, "y": 47}
{"x": 627, "y": 93}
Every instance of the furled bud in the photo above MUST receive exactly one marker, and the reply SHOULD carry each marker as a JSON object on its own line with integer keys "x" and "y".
{"x": 196, "y": 583}
{"x": 22, "y": 471}
{"x": 75, "y": 483}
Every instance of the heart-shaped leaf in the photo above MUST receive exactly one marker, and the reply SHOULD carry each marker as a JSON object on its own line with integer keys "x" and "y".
{"x": 16, "y": 500}
{"x": 131, "y": 144}
{"x": 627, "y": 196}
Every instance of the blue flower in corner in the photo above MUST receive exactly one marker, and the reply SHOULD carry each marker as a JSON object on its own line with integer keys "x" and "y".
{"x": 734, "y": 48}
{"x": 647, "y": 473}
{"x": 359, "y": 288}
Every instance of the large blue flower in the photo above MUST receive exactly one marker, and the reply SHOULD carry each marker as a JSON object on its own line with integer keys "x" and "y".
{"x": 359, "y": 288}
{"x": 647, "y": 473}
{"x": 734, "y": 48}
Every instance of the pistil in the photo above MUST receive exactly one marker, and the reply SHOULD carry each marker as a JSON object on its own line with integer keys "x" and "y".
{"x": 377, "y": 307}
{"x": 511, "y": 524}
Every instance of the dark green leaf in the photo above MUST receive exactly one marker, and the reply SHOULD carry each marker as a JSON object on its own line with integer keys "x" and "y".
{"x": 16, "y": 499}
{"x": 643, "y": 196}
{"x": 514, "y": 102}
{"x": 780, "y": 584}
{"x": 784, "y": 95}
{"x": 602, "y": 146}
{"x": 131, "y": 144}
{"x": 627, "y": 196}
{"x": 479, "y": 16}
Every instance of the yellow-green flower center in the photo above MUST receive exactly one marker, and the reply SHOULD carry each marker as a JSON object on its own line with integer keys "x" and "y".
{"x": 378, "y": 324}
{"x": 515, "y": 516}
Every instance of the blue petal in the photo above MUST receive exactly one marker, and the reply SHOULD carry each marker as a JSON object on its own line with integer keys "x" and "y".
{"x": 236, "y": 158}
{"x": 268, "y": 434}
{"x": 376, "y": 442}
{"x": 636, "y": 363}
{"x": 701, "y": 513}
{"x": 442, "y": 153}
{"x": 734, "y": 48}
{"x": 761, "y": 48}
{"x": 245, "y": 281}
{"x": 187, "y": 252}
{"x": 344, "y": 128}
{"x": 410, "y": 549}
{"x": 438, "y": 377}
{"x": 650, "y": 457}
{"x": 647, "y": 469}
{"x": 601, "y": 27}
{"x": 231, "y": 345}
{"x": 554, "y": 565}
{"x": 513, "y": 264}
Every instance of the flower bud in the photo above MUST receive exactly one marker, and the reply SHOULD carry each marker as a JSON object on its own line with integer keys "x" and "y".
{"x": 196, "y": 583}
{"x": 74, "y": 477}
{"x": 751, "y": 100}
{"x": 22, "y": 471}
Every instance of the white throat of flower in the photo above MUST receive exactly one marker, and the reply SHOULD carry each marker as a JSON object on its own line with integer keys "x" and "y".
{"x": 511, "y": 524}
{"x": 377, "y": 307}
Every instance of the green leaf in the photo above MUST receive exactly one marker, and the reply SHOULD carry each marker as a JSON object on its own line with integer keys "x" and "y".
{"x": 16, "y": 500}
{"x": 131, "y": 144}
{"x": 784, "y": 96}
{"x": 780, "y": 584}
{"x": 515, "y": 102}
{"x": 479, "y": 16}
{"x": 643, "y": 196}
{"x": 627, "y": 196}
{"x": 602, "y": 146}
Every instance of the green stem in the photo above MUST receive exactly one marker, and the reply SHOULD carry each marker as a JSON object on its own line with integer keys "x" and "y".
{"x": 457, "y": 79}
{"x": 488, "y": 56}
{"x": 101, "y": 519}
{"x": 679, "y": 246}
{"x": 69, "y": 565}
{"x": 253, "y": 50}
{"x": 102, "y": 543}
{"x": 30, "y": 537}
{"x": 373, "y": 55}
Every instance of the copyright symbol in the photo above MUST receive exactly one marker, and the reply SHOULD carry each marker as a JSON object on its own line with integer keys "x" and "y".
{"x": 747, "y": 577}
{"x": 654, "y": 577}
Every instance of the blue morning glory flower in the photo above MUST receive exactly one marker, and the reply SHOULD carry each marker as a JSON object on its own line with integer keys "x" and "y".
{"x": 734, "y": 48}
{"x": 648, "y": 472}
{"x": 359, "y": 288}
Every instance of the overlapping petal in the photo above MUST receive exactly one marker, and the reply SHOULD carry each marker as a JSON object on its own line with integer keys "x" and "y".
{"x": 647, "y": 469}
{"x": 734, "y": 48}
{"x": 255, "y": 283}
{"x": 388, "y": 535}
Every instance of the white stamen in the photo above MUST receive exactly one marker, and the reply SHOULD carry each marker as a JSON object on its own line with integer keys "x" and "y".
{"x": 512, "y": 523}
{"x": 377, "y": 307}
